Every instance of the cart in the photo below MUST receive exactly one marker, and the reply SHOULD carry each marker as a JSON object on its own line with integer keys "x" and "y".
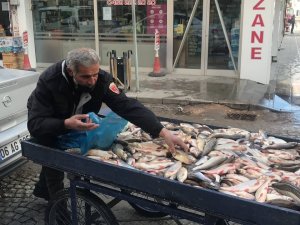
{"x": 79, "y": 204}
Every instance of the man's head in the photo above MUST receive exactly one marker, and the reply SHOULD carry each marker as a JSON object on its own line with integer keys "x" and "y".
{"x": 83, "y": 65}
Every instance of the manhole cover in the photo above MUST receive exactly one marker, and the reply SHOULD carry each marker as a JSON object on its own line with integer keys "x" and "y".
{"x": 241, "y": 116}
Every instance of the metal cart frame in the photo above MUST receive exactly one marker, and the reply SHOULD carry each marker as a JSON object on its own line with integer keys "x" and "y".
{"x": 180, "y": 200}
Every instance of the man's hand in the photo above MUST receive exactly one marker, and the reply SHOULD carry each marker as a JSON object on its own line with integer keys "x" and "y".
{"x": 172, "y": 140}
{"x": 75, "y": 123}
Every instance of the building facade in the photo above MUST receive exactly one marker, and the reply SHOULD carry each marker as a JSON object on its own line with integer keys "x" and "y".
{"x": 231, "y": 38}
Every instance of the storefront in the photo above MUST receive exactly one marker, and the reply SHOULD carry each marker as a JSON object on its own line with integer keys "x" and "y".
{"x": 197, "y": 37}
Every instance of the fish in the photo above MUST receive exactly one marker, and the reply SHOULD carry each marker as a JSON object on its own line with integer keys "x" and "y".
{"x": 146, "y": 136}
{"x": 169, "y": 125}
{"x": 172, "y": 170}
{"x": 200, "y": 143}
{"x": 213, "y": 161}
{"x": 223, "y": 169}
{"x": 76, "y": 151}
{"x": 273, "y": 196}
{"x": 205, "y": 179}
{"x": 124, "y": 164}
{"x": 245, "y": 195}
{"x": 283, "y": 162}
{"x": 209, "y": 146}
{"x": 183, "y": 157}
{"x": 287, "y": 145}
{"x": 119, "y": 151}
{"x": 227, "y": 136}
{"x": 105, "y": 155}
{"x": 152, "y": 166}
{"x": 232, "y": 147}
{"x": 248, "y": 186}
{"x": 284, "y": 203}
{"x": 262, "y": 191}
{"x": 292, "y": 168}
{"x": 182, "y": 174}
{"x": 194, "y": 151}
{"x": 201, "y": 160}
{"x": 130, "y": 161}
{"x": 237, "y": 177}
{"x": 147, "y": 158}
{"x": 288, "y": 189}
{"x": 191, "y": 182}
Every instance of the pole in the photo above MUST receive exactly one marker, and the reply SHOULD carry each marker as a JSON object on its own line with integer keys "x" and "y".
{"x": 135, "y": 45}
{"x": 96, "y": 27}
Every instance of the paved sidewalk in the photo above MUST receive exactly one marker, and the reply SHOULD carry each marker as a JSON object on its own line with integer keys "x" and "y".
{"x": 282, "y": 94}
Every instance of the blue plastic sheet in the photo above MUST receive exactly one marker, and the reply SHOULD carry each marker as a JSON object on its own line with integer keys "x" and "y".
{"x": 101, "y": 137}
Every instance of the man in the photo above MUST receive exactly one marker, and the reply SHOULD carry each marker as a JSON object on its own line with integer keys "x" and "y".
{"x": 68, "y": 90}
{"x": 292, "y": 22}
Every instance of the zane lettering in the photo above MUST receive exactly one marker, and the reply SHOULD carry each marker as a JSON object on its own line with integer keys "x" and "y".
{"x": 257, "y": 6}
{"x": 257, "y": 35}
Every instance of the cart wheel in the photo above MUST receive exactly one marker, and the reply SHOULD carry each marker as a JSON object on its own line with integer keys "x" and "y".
{"x": 91, "y": 209}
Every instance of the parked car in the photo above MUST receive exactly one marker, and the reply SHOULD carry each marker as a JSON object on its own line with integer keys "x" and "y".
{"x": 15, "y": 88}
{"x": 67, "y": 19}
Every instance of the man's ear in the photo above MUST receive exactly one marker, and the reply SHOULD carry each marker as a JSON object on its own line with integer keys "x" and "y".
{"x": 70, "y": 72}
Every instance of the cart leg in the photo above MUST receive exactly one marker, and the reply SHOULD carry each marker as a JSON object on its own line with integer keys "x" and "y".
{"x": 73, "y": 204}
{"x": 113, "y": 202}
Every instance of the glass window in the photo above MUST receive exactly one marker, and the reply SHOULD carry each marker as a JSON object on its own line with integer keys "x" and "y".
{"x": 60, "y": 26}
{"x": 116, "y": 28}
{"x": 218, "y": 53}
{"x": 190, "y": 56}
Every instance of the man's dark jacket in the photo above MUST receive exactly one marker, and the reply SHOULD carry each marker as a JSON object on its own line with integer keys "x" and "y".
{"x": 54, "y": 100}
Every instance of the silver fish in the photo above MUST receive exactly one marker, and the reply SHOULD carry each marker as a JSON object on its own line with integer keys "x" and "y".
{"x": 287, "y": 145}
{"x": 209, "y": 146}
{"x": 288, "y": 190}
{"x": 173, "y": 169}
{"x": 119, "y": 151}
{"x": 201, "y": 160}
{"x": 182, "y": 174}
{"x": 213, "y": 161}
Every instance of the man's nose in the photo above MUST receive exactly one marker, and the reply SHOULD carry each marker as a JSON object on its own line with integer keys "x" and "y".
{"x": 92, "y": 80}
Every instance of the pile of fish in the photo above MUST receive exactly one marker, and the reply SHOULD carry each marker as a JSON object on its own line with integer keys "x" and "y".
{"x": 234, "y": 161}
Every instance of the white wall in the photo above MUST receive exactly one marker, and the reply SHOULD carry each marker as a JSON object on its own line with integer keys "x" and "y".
{"x": 277, "y": 32}
{"x": 25, "y": 22}
{"x": 257, "y": 40}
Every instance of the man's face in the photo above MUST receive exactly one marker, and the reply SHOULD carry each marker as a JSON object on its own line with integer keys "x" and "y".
{"x": 86, "y": 76}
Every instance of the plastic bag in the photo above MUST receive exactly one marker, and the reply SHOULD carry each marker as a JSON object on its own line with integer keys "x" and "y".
{"x": 101, "y": 137}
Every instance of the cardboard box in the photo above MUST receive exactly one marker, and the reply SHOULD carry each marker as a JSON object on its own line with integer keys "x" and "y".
{"x": 13, "y": 60}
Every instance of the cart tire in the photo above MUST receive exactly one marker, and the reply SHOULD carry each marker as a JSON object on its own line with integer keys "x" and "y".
{"x": 147, "y": 212}
{"x": 58, "y": 211}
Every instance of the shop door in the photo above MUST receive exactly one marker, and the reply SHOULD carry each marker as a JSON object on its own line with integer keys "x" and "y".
{"x": 206, "y": 37}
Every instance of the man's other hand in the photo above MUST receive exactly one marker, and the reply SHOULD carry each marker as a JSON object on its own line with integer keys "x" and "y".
{"x": 76, "y": 123}
{"x": 172, "y": 140}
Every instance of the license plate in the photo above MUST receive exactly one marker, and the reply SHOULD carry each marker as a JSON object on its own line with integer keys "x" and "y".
{"x": 12, "y": 147}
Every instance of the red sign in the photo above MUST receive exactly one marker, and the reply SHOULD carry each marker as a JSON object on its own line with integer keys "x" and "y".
{"x": 25, "y": 38}
{"x": 157, "y": 18}
{"x": 129, "y": 2}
